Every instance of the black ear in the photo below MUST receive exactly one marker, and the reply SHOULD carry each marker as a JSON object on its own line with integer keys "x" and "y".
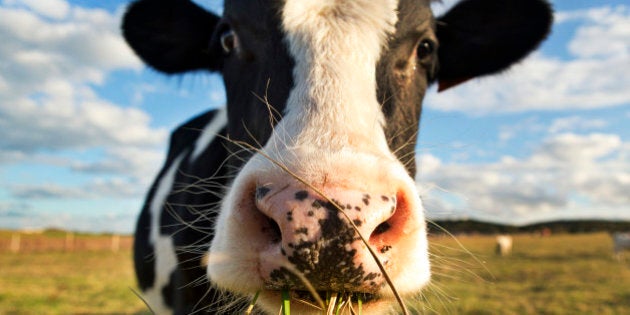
{"x": 171, "y": 36}
{"x": 479, "y": 37}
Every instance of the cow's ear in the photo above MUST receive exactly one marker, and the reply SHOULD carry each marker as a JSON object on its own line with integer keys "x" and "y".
{"x": 480, "y": 37}
{"x": 171, "y": 36}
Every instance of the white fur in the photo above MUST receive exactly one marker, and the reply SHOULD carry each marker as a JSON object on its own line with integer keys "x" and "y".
{"x": 336, "y": 45}
{"x": 504, "y": 245}
{"x": 165, "y": 259}
{"x": 165, "y": 264}
{"x": 210, "y": 131}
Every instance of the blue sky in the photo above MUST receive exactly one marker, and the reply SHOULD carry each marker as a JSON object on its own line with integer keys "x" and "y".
{"x": 85, "y": 124}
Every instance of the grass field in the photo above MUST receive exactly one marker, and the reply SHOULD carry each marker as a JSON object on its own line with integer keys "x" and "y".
{"x": 562, "y": 274}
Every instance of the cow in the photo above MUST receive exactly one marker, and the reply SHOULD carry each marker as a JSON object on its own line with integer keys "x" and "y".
{"x": 303, "y": 184}
{"x": 504, "y": 245}
{"x": 621, "y": 243}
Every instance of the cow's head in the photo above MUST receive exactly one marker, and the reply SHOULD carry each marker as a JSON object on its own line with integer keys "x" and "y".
{"x": 333, "y": 90}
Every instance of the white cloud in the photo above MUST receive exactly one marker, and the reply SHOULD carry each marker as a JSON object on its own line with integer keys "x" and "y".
{"x": 576, "y": 149}
{"x": 23, "y": 216}
{"x": 530, "y": 125}
{"x": 45, "y": 191}
{"x": 80, "y": 48}
{"x": 97, "y": 188}
{"x": 52, "y": 56}
{"x": 140, "y": 164}
{"x": 595, "y": 77}
{"x": 566, "y": 173}
{"x": 48, "y": 65}
{"x": 576, "y": 123}
{"x": 11, "y": 156}
{"x": 66, "y": 117}
{"x": 55, "y": 9}
{"x": 605, "y": 35}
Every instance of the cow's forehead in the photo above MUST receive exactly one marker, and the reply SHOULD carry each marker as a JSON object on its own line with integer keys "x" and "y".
{"x": 255, "y": 14}
{"x": 267, "y": 15}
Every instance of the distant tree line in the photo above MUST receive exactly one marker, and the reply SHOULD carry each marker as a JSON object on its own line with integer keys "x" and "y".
{"x": 566, "y": 226}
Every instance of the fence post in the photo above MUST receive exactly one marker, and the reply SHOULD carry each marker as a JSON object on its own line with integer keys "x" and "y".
{"x": 15, "y": 242}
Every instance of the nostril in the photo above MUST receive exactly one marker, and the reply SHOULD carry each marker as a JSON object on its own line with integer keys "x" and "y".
{"x": 269, "y": 226}
{"x": 261, "y": 192}
{"x": 381, "y": 228}
{"x": 397, "y": 211}
{"x": 272, "y": 229}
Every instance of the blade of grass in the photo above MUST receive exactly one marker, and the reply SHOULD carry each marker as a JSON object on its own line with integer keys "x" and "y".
{"x": 286, "y": 302}
{"x": 142, "y": 299}
{"x": 250, "y": 308}
{"x": 331, "y": 305}
{"x": 339, "y": 305}
{"x": 307, "y": 283}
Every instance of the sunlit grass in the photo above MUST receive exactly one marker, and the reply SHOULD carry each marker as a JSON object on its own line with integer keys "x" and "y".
{"x": 335, "y": 303}
{"x": 561, "y": 274}
{"x": 57, "y": 282}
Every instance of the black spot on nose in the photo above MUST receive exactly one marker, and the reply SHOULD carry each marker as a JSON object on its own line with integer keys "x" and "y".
{"x": 366, "y": 199}
{"x": 301, "y": 195}
{"x": 381, "y": 228}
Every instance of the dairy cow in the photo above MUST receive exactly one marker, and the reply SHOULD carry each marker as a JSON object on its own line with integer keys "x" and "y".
{"x": 503, "y": 245}
{"x": 312, "y": 160}
{"x": 621, "y": 243}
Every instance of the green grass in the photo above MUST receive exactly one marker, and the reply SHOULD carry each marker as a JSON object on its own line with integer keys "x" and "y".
{"x": 68, "y": 283}
{"x": 561, "y": 274}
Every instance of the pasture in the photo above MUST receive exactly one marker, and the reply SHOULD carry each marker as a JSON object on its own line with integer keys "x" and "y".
{"x": 560, "y": 274}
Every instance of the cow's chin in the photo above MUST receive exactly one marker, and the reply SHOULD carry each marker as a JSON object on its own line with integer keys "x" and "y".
{"x": 302, "y": 302}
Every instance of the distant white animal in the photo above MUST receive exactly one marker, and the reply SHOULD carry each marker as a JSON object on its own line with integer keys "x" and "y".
{"x": 504, "y": 245}
{"x": 621, "y": 242}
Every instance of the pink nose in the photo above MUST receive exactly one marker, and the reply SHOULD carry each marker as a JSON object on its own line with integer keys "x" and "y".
{"x": 312, "y": 234}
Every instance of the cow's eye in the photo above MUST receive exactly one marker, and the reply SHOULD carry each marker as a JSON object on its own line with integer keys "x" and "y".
{"x": 229, "y": 41}
{"x": 425, "y": 49}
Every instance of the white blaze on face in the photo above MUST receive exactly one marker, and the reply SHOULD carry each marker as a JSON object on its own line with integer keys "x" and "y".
{"x": 336, "y": 45}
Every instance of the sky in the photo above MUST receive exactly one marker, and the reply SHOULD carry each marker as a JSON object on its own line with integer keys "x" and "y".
{"x": 84, "y": 125}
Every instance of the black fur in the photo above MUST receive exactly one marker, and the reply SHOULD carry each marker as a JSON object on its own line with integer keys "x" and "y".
{"x": 479, "y": 37}
{"x": 172, "y": 36}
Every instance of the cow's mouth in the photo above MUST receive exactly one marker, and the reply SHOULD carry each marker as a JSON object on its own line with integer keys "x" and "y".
{"x": 328, "y": 297}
